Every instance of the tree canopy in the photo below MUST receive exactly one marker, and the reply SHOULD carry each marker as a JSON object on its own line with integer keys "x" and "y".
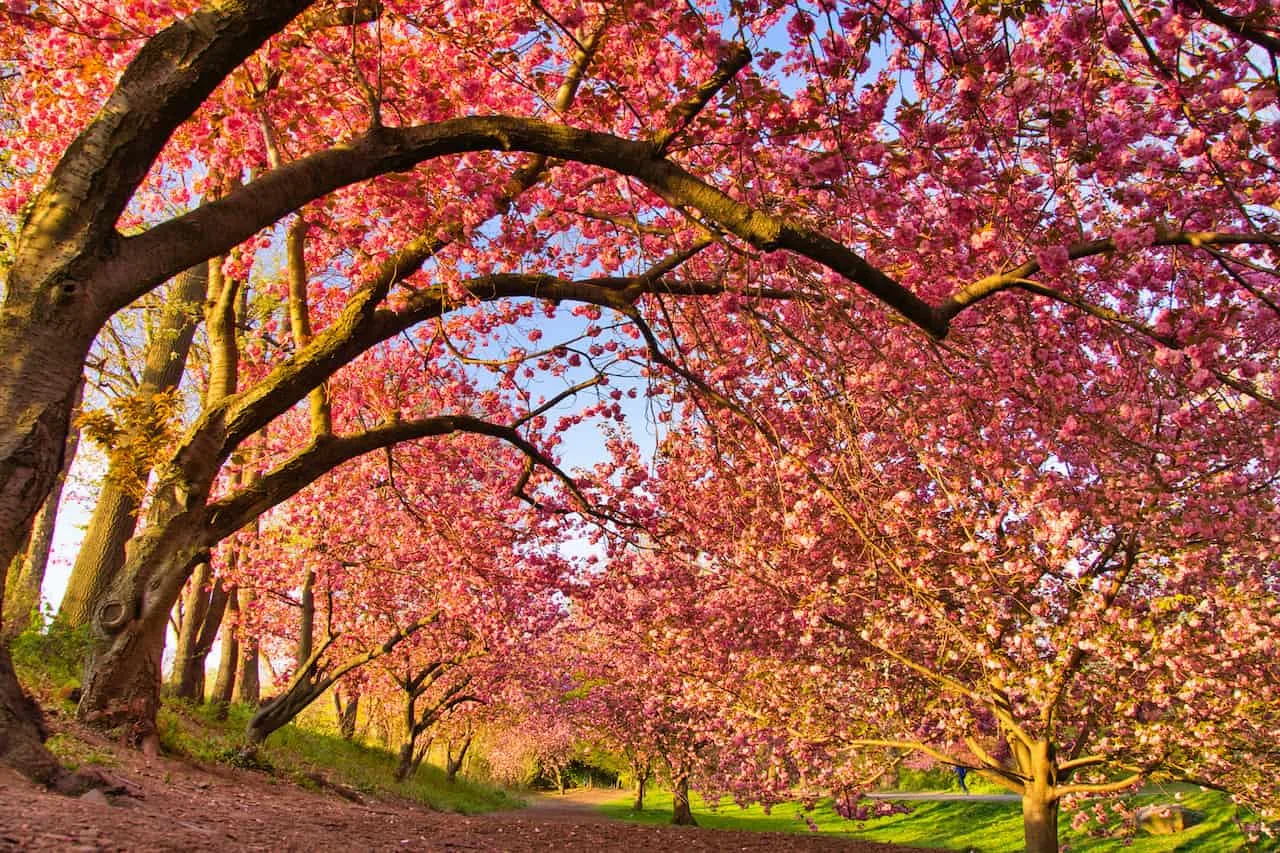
{"x": 957, "y": 324}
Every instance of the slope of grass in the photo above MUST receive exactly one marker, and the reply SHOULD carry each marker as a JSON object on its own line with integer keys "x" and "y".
{"x": 956, "y": 824}
{"x": 307, "y": 756}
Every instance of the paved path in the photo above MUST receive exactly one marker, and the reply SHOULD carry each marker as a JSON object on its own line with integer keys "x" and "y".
{"x": 943, "y": 796}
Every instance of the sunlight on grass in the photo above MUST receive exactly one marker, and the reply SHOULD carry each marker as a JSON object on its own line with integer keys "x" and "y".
{"x": 953, "y": 825}
{"x": 292, "y": 752}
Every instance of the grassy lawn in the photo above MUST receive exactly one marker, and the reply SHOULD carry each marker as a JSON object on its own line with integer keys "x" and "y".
{"x": 299, "y": 753}
{"x": 955, "y": 825}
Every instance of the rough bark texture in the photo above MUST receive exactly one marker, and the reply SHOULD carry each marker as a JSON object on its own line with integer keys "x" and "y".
{"x": 101, "y": 553}
{"x": 135, "y": 695}
{"x": 26, "y": 577}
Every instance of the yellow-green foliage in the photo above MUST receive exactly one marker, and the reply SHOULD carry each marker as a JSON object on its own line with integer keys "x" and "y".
{"x": 135, "y": 432}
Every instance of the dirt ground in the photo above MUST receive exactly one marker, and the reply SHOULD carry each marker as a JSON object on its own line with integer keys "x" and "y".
{"x": 173, "y": 805}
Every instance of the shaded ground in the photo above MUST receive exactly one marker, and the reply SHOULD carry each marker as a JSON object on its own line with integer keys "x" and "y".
{"x": 173, "y": 805}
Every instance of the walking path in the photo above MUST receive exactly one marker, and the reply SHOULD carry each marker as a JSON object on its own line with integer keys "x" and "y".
{"x": 943, "y": 796}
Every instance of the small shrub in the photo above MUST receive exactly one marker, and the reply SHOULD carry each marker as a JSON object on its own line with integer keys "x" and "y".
{"x": 75, "y": 753}
{"x": 50, "y": 652}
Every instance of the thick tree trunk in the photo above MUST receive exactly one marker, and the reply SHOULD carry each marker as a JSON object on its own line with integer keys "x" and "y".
{"x": 101, "y": 553}
{"x": 681, "y": 813}
{"x": 1039, "y": 799}
{"x": 134, "y": 615}
{"x": 26, "y": 577}
{"x": 40, "y": 363}
{"x": 1040, "y": 825}
{"x": 126, "y": 697}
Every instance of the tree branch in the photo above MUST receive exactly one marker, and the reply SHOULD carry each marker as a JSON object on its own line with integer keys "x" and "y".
{"x": 1099, "y": 787}
{"x": 149, "y": 258}
{"x": 172, "y": 75}
{"x": 974, "y": 293}
{"x": 726, "y": 69}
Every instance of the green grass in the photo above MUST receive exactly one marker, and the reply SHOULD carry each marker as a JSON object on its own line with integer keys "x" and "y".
{"x": 956, "y": 824}
{"x": 297, "y": 754}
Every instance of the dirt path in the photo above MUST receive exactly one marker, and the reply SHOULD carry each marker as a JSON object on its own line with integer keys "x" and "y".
{"x": 172, "y": 805}
{"x": 578, "y": 804}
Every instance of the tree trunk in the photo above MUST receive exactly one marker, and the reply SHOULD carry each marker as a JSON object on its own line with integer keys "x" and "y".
{"x": 205, "y": 609}
{"x": 134, "y": 615}
{"x": 454, "y": 763}
{"x": 1039, "y": 799}
{"x": 642, "y": 782}
{"x": 306, "y": 621}
{"x": 194, "y": 609}
{"x": 101, "y": 553}
{"x": 224, "y": 684}
{"x": 133, "y": 697}
{"x": 248, "y": 684}
{"x": 346, "y": 714}
{"x": 681, "y": 813}
{"x": 405, "y": 765}
{"x": 22, "y": 590}
{"x": 1040, "y": 825}
{"x": 115, "y": 515}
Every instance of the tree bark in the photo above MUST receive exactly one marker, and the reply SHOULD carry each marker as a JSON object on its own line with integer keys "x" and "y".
{"x": 1040, "y": 824}
{"x": 681, "y": 813}
{"x": 453, "y": 763}
{"x": 248, "y": 684}
{"x": 26, "y": 573}
{"x": 404, "y": 766}
{"x": 306, "y": 620}
{"x": 102, "y": 554}
{"x": 224, "y": 684}
{"x": 346, "y": 714}
{"x": 642, "y": 783}
{"x": 1039, "y": 799}
{"x": 206, "y": 603}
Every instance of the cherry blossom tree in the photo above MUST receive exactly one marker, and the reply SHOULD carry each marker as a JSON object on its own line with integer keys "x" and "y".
{"x": 966, "y": 166}
{"x": 1069, "y": 592}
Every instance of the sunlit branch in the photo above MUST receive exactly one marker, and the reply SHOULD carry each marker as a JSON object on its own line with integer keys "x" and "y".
{"x": 734, "y": 60}
{"x": 983, "y": 288}
{"x": 1100, "y": 787}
